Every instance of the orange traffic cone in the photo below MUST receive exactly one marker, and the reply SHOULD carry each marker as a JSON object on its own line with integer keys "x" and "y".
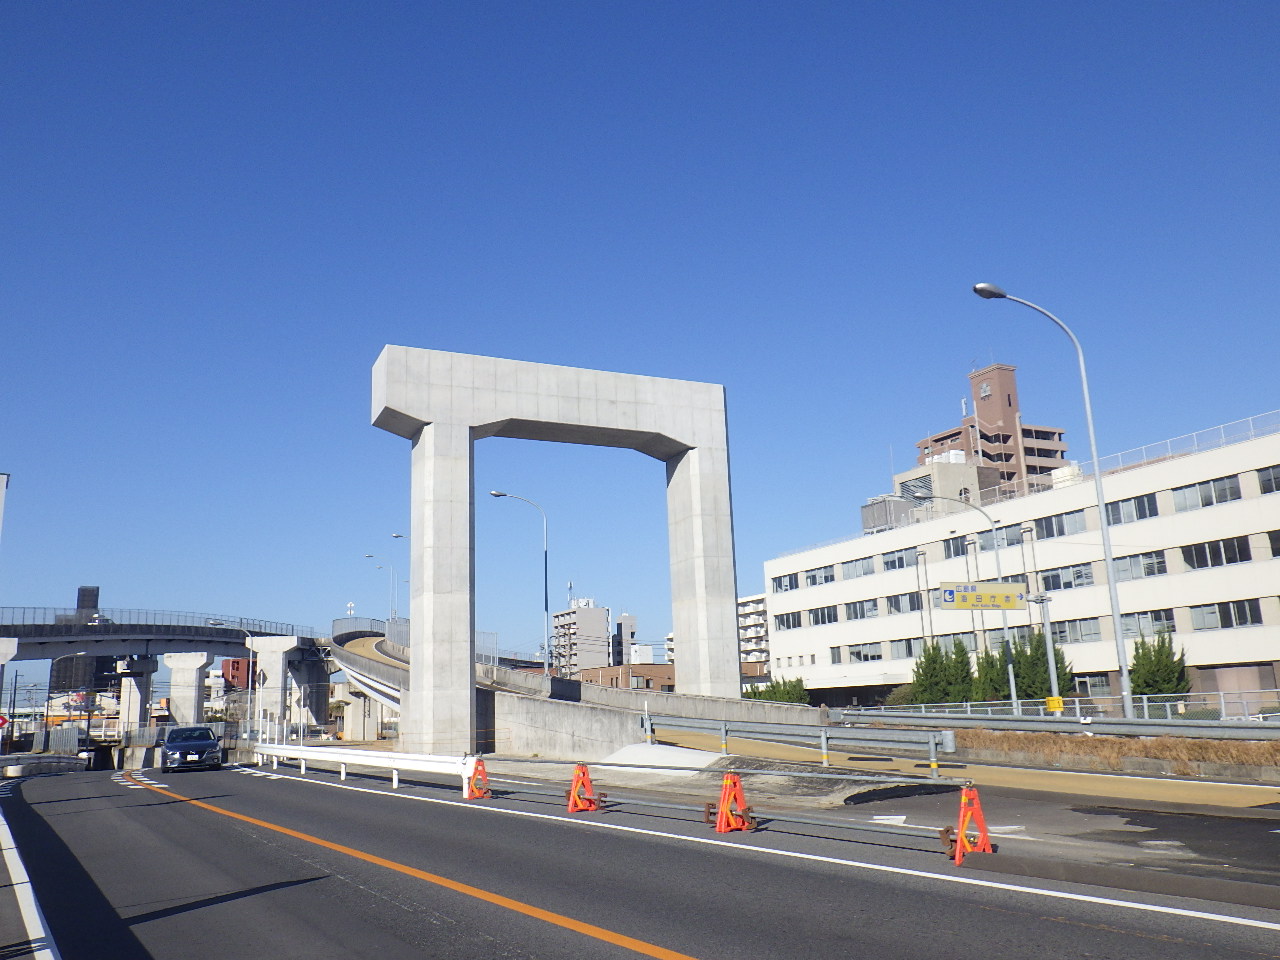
{"x": 970, "y": 813}
{"x": 582, "y": 795}
{"x": 732, "y": 813}
{"x": 478, "y": 783}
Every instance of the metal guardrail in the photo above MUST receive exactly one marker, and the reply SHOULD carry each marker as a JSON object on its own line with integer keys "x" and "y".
{"x": 817, "y": 738}
{"x": 1235, "y": 706}
{"x": 1204, "y": 730}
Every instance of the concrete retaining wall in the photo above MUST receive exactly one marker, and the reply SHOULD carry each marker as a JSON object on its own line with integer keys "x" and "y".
{"x": 27, "y": 766}
{"x": 558, "y": 730}
{"x": 664, "y": 704}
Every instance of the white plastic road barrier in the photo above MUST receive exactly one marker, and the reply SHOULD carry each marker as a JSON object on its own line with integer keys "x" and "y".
{"x": 461, "y": 767}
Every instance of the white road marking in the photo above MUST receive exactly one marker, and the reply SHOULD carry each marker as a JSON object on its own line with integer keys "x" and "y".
{"x": 41, "y": 943}
{"x": 816, "y": 858}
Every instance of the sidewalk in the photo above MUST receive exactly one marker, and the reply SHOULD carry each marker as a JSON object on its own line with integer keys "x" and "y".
{"x": 1256, "y": 798}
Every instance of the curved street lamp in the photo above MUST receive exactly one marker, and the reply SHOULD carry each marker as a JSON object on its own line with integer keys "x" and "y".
{"x": 546, "y": 593}
{"x": 989, "y": 291}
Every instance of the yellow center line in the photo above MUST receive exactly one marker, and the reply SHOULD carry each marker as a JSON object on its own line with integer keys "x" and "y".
{"x": 586, "y": 929}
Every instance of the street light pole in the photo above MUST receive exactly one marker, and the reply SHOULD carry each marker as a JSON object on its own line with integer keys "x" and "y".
{"x": 546, "y": 593}
{"x": 989, "y": 291}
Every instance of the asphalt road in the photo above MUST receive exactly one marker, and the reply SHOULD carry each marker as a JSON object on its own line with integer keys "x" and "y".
{"x": 237, "y": 864}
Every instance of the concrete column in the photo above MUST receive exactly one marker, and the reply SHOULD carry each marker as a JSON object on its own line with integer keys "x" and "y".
{"x": 187, "y": 672}
{"x": 135, "y": 688}
{"x": 309, "y": 696}
{"x": 273, "y": 663}
{"x": 437, "y": 711}
{"x": 8, "y": 645}
{"x": 703, "y": 578}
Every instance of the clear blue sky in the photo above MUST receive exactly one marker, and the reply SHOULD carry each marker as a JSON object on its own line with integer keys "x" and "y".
{"x": 215, "y": 215}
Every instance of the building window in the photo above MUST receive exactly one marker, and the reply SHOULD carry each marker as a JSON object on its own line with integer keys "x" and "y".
{"x": 955, "y": 547}
{"x": 903, "y": 602}
{"x": 1217, "y": 553}
{"x": 1009, "y": 536}
{"x": 1135, "y": 508}
{"x": 903, "y": 649}
{"x": 1269, "y": 479}
{"x": 789, "y": 581}
{"x": 899, "y": 559}
{"x": 969, "y": 639}
{"x": 1148, "y": 623}
{"x": 787, "y": 621}
{"x": 861, "y": 610}
{"x": 1139, "y": 565}
{"x": 1076, "y": 631}
{"x": 1064, "y": 578}
{"x": 835, "y": 654}
{"x": 1197, "y": 495}
{"x": 996, "y": 639}
{"x": 1274, "y": 536}
{"x": 851, "y": 569}
{"x": 820, "y": 615}
{"x": 1093, "y": 685}
{"x": 819, "y": 575}
{"x": 1060, "y": 525}
{"x": 1222, "y": 616}
{"x": 864, "y": 652}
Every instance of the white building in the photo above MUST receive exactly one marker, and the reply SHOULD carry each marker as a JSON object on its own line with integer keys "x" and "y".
{"x": 1195, "y": 528}
{"x": 586, "y": 637}
{"x": 753, "y": 629}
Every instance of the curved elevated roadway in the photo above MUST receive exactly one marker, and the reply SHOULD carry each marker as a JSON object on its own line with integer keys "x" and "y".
{"x": 46, "y": 633}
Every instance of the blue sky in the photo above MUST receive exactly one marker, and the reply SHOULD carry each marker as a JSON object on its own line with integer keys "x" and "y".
{"x": 215, "y": 215}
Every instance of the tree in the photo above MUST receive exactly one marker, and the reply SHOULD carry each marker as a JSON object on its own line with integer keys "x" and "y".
{"x": 900, "y": 696}
{"x": 780, "y": 690}
{"x": 1031, "y": 669}
{"x": 957, "y": 674}
{"x": 1155, "y": 669}
{"x": 991, "y": 681}
{"x": 929, "y": 676}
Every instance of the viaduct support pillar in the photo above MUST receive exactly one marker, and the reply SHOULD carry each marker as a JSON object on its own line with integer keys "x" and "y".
{"x": 271, "y": 696}
{"x": 437, "y": 712}
{"x": 135, "y": 689}
{"x": 188, "y": 672}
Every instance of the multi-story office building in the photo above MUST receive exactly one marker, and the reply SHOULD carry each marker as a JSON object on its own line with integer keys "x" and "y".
{"x": 1195, "y": 526}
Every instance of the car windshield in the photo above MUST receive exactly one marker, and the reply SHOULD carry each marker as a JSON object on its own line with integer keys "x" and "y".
{"x": 190, "y": 735}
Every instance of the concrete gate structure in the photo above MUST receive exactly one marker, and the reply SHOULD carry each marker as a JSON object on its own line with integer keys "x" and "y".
{"x": 444, "y": 402}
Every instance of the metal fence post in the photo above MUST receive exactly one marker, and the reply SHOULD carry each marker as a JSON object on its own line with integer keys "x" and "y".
{"x": 826, "y": 753}
{"x": 724, "y": 738}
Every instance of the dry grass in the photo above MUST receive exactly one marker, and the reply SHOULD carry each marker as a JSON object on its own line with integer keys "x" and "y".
{"x": 1071, "y": 749}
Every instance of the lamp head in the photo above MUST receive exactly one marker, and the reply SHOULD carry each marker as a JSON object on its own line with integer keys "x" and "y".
{"x": 496, "y": 493}
{"x": 989, "y": 291}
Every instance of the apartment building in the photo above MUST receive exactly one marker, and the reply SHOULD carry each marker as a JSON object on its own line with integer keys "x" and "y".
{"x": 1195, "y": 528}
{"x": 585, "y": 637}
{"x": 993, "y": 435}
